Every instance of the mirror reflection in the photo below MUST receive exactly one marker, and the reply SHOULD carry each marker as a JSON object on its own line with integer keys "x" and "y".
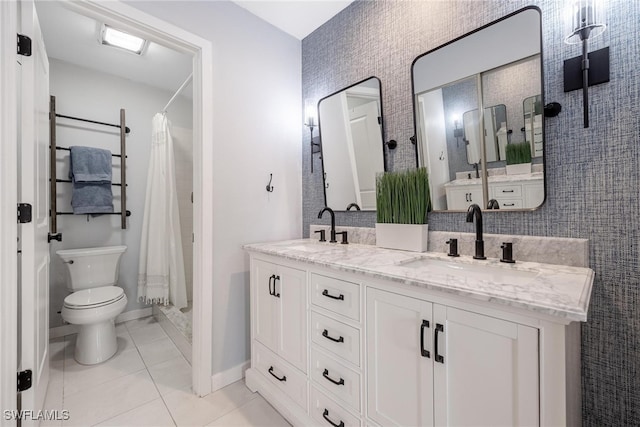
{"x": 477, "y": 103}
{"x": 352, "y": 145}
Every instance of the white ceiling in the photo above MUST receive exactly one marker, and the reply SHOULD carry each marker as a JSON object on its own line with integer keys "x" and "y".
{"x": 73, "y": 38}
{"x": 298, "y": 18}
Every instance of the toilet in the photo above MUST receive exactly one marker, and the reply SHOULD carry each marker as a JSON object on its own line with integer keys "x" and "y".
{"x": 95, "y": 301}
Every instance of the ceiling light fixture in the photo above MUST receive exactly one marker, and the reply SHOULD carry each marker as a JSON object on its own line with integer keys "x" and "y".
{"x": 112, "y": 37}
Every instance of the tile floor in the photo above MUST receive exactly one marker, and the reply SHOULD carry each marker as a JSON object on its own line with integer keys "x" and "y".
{"x": 146, "y": 383}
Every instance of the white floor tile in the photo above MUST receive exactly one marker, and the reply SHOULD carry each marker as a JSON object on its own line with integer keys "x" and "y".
{"x": 125, "y": 342}
{"x": 172, "y": 375}
{"x": 257, "y": 412}
{"x": 78, "y": 377}
{"x": 53, "y": 402}
{"x": 188, "y": 409}
{"x": 102, "y": 402}
{"x": 158, "y": 351}
{"x": 152, "y": 414}
{"x": 143, "y": 332}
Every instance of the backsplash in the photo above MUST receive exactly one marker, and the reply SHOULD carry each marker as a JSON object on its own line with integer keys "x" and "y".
{"x": 592, "y": 175}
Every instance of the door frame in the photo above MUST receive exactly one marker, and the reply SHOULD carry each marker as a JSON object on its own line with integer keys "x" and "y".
{"x": 154, "y": 29}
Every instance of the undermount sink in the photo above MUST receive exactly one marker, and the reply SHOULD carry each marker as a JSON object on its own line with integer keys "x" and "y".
{"x": 310, "y": 247}
{"x": 498, "y": 274}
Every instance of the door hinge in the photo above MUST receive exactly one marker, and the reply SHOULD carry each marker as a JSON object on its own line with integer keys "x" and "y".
{"x": 379, "y": 120}
{"x": 24, "y": 380}
{"x": 24, "y": 45}
{"x": 24, "y": 213}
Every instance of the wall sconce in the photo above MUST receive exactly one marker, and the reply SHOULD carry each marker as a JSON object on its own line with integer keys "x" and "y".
{"x": 457, "y": 131}
{"x": 310, "y": 120}
{"x": 591, "y": 68}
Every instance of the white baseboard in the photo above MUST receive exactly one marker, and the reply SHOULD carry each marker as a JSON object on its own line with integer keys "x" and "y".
{"x": 61, "y": 331}
{"x": 231, "y": 375}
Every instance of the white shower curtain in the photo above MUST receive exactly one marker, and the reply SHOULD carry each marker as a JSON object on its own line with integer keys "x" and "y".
{"x": 161, "y": 276}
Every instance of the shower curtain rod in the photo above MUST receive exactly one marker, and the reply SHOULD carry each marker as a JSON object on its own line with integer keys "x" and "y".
{"x": 186, "y": 82}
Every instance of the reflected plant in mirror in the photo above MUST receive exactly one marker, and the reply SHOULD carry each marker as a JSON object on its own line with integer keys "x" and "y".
{"x": 352, "y": 145}
{"x": 473, "y": 97}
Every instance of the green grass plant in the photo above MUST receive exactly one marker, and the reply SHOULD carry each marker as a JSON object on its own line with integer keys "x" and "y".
{"x": 519, "y": 152}
{"x": 403, "y": 197}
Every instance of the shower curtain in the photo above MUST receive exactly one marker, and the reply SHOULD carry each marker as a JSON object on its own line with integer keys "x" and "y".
{"x": 161, "y": 277}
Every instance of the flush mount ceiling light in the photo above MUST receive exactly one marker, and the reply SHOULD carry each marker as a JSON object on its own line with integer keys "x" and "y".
{"x": 111, "y": 37}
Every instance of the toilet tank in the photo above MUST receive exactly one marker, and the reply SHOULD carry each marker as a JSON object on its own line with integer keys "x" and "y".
{"x": 92, "y": 267}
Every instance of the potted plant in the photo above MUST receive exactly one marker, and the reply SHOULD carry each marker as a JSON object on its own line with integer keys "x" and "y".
{"x": 518, "y": 158}
{"x": 402, "y": 203}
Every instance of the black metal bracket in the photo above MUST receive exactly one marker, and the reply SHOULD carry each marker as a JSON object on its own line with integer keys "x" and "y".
{"x": 56, "y": 236}
{"x": 24, "y": 45}
{"x": 413, "y": 139}
{"x": 24, "y": 380}
{"x": 24, "y": 213}
{"x": 552, "y": 109}
{"x": 392, "y": 144}
{"x": 598, "y": 70}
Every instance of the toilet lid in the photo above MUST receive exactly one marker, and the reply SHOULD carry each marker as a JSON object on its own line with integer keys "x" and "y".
{"x": 96, "y": 297}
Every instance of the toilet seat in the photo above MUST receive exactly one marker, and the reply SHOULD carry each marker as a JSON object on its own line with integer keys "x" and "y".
{"x": 94, "y": 298}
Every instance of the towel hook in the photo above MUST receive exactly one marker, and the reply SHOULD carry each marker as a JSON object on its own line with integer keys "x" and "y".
{"x": 269, "y": 186}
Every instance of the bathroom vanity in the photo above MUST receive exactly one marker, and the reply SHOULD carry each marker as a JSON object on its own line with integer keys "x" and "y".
{"x": 511, "y": 191}
{"x": 354, "y": 334}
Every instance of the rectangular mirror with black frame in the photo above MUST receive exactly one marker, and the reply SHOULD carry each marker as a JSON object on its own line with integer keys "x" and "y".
{"x": 351, "y": 136}
{"x": 478, "y": 116}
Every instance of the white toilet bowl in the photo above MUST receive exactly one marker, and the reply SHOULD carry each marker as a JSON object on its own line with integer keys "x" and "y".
{"x": 95, "y": 301}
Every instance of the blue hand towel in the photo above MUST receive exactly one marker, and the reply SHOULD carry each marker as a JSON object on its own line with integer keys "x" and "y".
{"x": 90, "y": 164}
{"x": 90, "y": 171}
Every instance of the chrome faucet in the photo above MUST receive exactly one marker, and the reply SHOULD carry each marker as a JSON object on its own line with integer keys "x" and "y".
{"x": 474, "y": 211}
{"x": 333, "y": 222}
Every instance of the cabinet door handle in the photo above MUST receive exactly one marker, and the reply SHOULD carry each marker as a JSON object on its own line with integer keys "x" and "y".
{"x": 508, "y": 204}
{"x": 272, "y": 292}
{"x": 328, "y": 295}
{"x": 507, "y": 191}
{"x": 325, "y": 415}
{"x": 325, "y": 334}
{"x": 425, "y": 325}
{"x": 326, "y": 375}
{"x": 470, "y": 197}
{"x": 466, "y": 197}
{"x": 438, "y": 357}
{"x": 274, "y": 286}
{"x": 284, "y": 377}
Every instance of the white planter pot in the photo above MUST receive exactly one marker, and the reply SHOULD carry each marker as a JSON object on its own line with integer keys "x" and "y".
{"x": 519, "y": 169}
{"x": 408, "y": 237}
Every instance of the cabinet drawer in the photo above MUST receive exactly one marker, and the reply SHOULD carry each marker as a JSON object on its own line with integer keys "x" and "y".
{"x": 342, "y": 382}
{"x": 507, "y": 191}
{"x": 340, "y": 339}
{"x": 328, "y": 413}
{"x": 291, "y": 381}
{"x": 336, "y": 295}
{"x": 510, "y": 203}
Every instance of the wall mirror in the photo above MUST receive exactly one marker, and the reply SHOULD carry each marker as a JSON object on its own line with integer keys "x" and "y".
{"x": 352, "y": 145}
{"x": 477, "y": 103}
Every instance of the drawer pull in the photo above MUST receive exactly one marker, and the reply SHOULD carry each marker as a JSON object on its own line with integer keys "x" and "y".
{"x": 272, "y": 292}
{"x": 325, "y": 334}
{"x": 284, "y": 377}
{"x": 328, "y": 295}
{"x": 325, "y": 415}
{"x": 507, "y": 191}
{"x": 326, "y": 375}
{"x": 508, "y": 204}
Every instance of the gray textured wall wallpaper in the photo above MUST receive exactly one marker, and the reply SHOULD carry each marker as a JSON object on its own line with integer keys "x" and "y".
{"x": 593, "y": 174}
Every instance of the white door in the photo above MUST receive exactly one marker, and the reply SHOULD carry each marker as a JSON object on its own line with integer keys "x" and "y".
{"x": 488, "y": 371}
{"x": 399, "y": 360}
{"x": 34, "y": 189}
{"x": 291, "y": 292}
{"x": 366, "y": 152}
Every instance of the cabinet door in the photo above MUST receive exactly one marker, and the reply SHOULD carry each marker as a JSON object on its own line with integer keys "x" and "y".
{"x": 266, "y": 305}
{"x": 488, "y": 374}
{"x": 291, "y": 292}
{"x": 400, "y": 377}
{"x": 460, "y": 198}
{"x": 533, "y": 194}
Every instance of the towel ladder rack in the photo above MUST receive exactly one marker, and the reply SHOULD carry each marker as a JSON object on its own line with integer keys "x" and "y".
{"x": 124, "y": 130}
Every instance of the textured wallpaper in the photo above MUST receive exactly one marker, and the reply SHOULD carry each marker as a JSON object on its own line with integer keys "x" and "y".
{"x": 593, "y": 174}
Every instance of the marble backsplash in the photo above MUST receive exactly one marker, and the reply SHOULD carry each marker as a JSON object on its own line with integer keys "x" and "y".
{"x": 548, "y": 250}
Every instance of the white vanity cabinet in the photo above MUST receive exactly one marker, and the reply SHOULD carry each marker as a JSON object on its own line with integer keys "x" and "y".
{"x": 461, "y": 368}
{"x": 460, "y": 197}
{"x": 347, "y": 348}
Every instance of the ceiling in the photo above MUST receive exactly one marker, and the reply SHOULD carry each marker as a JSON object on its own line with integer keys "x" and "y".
{"x": 298, "y": 18}
{"x": 73, "y": 38}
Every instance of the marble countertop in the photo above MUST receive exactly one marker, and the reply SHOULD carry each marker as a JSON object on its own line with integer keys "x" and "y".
{"x": 497, "y": 179}
{"x": 559, "y": 291}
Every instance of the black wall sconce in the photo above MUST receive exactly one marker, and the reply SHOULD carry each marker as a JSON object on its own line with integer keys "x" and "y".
{"x": 310, "y": 122}
{"x": 590, "y": 68}
{"x": 458, "y": 132}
